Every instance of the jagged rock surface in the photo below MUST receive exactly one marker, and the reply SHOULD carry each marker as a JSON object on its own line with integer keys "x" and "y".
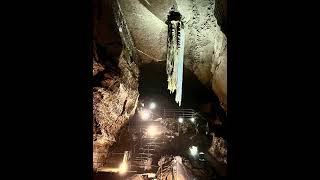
{"x": 113, "y": 105}
{"x": 171, "y": 168}
{"x": 115, "y": 91}
{"x": 218, "y": 149}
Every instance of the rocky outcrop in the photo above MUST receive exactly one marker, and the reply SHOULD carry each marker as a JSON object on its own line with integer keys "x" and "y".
{"x": 205, "y": 47}
{"x": 218, "y": 149}
{"x": 115, "y": 80}
{"x": 113, "y": 104}
{"x": 171, "y": 168}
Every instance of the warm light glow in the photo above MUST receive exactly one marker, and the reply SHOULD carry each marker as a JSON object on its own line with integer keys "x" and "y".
{"x": 192, "y": 119}
{"x": 193, "y": 150}
{"x": 180, "y": 120}
{"x": 152, "y": 105}
{"x": 158, "y": 119}
{"x": 145, "y": 114}
{"x": 108, "y": 169}
{"x": 152, "y": 131}
{"x": 123, "y": 168}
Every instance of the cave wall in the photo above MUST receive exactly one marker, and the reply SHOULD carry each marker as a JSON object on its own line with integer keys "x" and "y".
{"x": 113, "y": 105}
{"x": 115, "y": 77}
{"x": 206, "y": 44}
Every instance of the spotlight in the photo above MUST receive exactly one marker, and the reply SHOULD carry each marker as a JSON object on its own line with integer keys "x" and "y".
{"x": 180, "y": 120}
{"x": 145, "y": 114}
{"x": 152, "y": 131}
{"x": 123, "y": 168}
{"x": 152, "y": 105}
{"x": 193, "y": 150}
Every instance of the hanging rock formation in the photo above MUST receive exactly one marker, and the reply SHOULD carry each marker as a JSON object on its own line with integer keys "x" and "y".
{"x": 205, "y": 46}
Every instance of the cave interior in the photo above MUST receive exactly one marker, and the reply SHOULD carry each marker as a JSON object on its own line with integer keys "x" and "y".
{"x": 124, "y": 84}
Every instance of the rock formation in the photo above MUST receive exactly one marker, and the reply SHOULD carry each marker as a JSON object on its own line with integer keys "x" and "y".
{"x": 115, "y": 77}
{"x": 206, "y": 44}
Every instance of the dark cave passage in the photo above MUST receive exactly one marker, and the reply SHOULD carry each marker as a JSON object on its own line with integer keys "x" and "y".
{"x": 153, "y": 87}
{"x": 153, "y": 82}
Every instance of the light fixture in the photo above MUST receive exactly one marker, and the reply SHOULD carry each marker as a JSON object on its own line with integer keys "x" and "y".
{"x": 123, "y": 168}
{"x": 152, "y": 131}
{"x": 152, "y": 105}
{"x": 192, "y": 119}
{"x": 158, "y": 119}
{"x": 193, "y": 150}
{"x": 202, "y": 156}
{"x": 180, "y": 120}
{"x": 145, "y": 114}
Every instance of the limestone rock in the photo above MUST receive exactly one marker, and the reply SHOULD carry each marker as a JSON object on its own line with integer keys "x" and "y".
{"x": 112, "y": 108}
{"x": 218, "y": 149}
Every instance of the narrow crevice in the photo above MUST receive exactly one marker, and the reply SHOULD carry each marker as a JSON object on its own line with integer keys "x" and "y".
{"x": 97, "y": 79}
{"x": 124, "y": 107}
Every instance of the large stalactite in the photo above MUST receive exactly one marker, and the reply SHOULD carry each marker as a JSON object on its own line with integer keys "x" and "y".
{"x": 205, "y": 45}
{"x": 175, "y": 53}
